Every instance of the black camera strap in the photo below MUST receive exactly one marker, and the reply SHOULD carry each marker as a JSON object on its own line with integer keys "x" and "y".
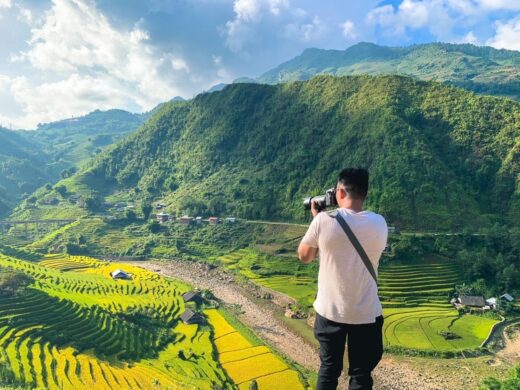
{"x": 350, "y": 234}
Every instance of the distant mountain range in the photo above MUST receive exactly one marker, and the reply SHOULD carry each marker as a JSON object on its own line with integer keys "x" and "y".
{"x": 439, "y": 157}
{"x": 480, "y": 69}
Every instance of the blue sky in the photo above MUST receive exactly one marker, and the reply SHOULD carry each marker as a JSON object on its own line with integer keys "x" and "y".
{"x": 64, "y": 58}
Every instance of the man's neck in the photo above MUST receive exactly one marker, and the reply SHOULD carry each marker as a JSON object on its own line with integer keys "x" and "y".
{"x": 352, "y": 204}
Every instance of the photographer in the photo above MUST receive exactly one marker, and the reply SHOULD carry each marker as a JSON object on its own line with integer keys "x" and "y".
{"x": 347, "y": 305}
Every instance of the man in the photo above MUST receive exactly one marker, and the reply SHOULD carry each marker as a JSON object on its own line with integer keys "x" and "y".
{"x": 347, "y": 305}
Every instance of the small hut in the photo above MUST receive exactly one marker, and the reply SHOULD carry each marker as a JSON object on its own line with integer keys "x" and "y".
{"x": 190, "y": 317}
{"x": 163, "y": 217}
{"x": 185, "y": 220}
{"x": 472, "y": 301}
{"x": 120, "y": 274}
{"x": 192, "y": 296}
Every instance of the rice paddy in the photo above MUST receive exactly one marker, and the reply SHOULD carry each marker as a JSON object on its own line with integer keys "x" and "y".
{"x": 77, "y": 328}
{"x": 415, "y": 298}
{"x": 245, "y": 362}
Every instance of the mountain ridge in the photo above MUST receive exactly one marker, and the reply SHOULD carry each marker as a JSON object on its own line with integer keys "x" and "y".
{"x": 437, "y": 154}
{"x": 482, "y": 69}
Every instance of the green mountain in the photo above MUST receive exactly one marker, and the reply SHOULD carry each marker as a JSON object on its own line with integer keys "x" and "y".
{"x": 23, "y": 168}
{"x": 74, "y": 140}
{"x": 481, "y": 69}
{"x": 29, "y": 159}
{"x": 439, "y": 157}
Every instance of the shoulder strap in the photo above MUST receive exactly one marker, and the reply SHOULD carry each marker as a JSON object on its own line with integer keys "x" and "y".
{"x": 350, "y": 234}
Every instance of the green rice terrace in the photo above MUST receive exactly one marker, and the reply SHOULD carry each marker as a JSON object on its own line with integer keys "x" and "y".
{"x": 415, "y": 298}
{"x": 415, "y": 292}
{"x": 74, "y": 327}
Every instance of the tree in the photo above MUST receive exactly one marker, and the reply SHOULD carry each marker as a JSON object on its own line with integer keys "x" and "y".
{"x": 130, "y": 215}
{"x": 61, "y": 189}
{"x": 253, "y": 385}
{"x": 154, "y": 226}
{"x": 146, "y": 209}
{"x": 13, "y": 282}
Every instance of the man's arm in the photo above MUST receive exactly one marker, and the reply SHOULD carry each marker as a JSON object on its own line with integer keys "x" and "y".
{"x": 306, "y": 253}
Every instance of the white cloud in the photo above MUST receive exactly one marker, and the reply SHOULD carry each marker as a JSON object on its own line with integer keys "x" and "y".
{"x": 95, "y": 65}
{"x": 248, "y": 13}
{"x": 180, "y": 64}
{"x": 306, "y": 31}
{"x": 5, "y": 4}
{"x": 507, "y": 35}
{"x": 438, "y": 16}
{"x": 348, "y": 29}
{"x": 512, "y": 5}
{"x": 469, "y": 38}
{"x": 25, "y": 15}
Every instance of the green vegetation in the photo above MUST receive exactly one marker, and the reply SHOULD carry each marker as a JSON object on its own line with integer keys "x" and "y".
{"x": 417, "y": 280}
{"x": 481, "y": 69}
{"x": 436, "y": 154}
{"x": 29, "y": 159}
{"x": 512, "y": 383}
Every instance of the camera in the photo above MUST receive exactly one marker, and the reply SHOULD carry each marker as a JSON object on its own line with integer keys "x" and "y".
{"x": 322, "y": 201}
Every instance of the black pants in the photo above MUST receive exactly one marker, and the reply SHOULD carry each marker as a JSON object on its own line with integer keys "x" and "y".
{"x": 365, "y": 349}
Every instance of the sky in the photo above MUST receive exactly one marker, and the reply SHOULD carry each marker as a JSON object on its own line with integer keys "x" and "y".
{"x": 65, "y": 58}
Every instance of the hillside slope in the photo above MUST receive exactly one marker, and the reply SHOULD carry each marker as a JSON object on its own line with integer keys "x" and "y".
{"x": 23, "y": 168}
{"x": 29, "y": 159}
{"x": 481, "y": 69}
{"x": 439, "y": 157}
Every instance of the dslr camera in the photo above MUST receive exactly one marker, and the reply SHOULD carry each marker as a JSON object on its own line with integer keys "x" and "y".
{"x": 322, "y": 201}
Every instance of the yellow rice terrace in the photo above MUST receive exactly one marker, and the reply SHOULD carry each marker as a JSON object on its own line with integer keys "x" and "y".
{"x": 82, "y": 323}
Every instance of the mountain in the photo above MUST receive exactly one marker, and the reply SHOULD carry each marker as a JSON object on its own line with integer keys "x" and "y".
{"x": 29, "y": 159}
{"x": 481, "y": 69}
{"x": 75, "y": 139}
{"x": 439, "y": 157}
{"x": 23, "y": 167}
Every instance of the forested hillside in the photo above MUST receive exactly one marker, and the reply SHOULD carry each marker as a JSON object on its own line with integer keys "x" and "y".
{"x": 23, "y": 168}
{"x": 30, "y": 159}
{"x": 481, "y": 69}
{"x": 439, "y": 157}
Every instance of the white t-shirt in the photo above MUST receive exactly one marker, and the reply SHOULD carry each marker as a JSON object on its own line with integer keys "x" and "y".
{"x": 347, "y": 293}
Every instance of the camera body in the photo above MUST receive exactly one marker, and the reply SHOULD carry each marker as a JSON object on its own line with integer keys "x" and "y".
{"x": 322, "y": 201}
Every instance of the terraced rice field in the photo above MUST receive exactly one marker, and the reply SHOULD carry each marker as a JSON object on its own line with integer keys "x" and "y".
{"x": 77, "y": 328}
{"x": 245, "y": 362}
{"x": 415, "y": 298}
{"x": 416, "y": 304}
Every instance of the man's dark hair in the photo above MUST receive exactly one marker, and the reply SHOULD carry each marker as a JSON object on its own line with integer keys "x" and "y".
{"x": 355, "y": 181}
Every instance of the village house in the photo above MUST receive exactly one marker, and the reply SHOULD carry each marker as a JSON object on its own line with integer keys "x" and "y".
{"x": 192, "y": 296}
{"x": 185, "y": 220}
{"x": 159, "y": 206}
{"x": 198, "y": 220}
{"x": 190, "y": 317}
{"x": 213, "y": 220}
{"x": 470, "y": 301}
{"x": 162, "y": 217}
{"x": 507, "y": 298}
{"x": 231, "y": 219}
{"x": 120, "y": 274}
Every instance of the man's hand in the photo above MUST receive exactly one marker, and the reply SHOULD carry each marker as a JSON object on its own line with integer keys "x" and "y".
{"x": 314, "y": 209}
